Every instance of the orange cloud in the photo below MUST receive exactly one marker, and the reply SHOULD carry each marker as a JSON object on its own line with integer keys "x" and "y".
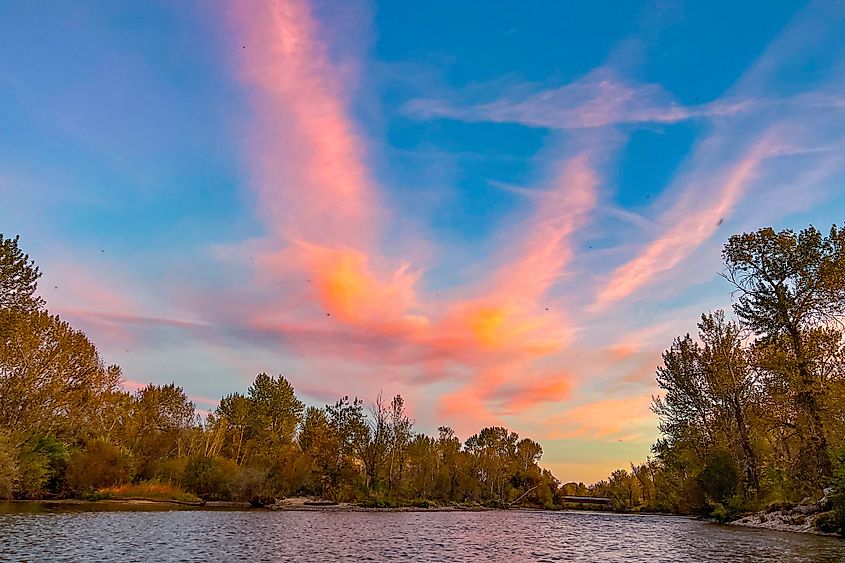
{"x": 625, "y": 418}
{"x": 348, "y": 287}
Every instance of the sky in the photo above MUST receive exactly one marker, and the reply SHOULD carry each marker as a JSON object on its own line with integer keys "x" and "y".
{"x": 504, "y": 211}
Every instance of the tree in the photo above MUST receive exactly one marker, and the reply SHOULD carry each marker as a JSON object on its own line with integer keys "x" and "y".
{"x": 449, "y": 463}
{"x": 18, "y": 277}
{"x": 732, "y": 384}
{"x": 276, "y": 410}
{"x": 400, "y": 427}
{"x": 685, "y": 411}
{"x": 163, "y": 418}
{"x": 375, "y": 452}
{"x": 789, "y": 284}
{"x": 235, "y": 414}
{"x": 709, "y": 389}
{"x": 493, "y": 450}
{"x": 51, "y": 376}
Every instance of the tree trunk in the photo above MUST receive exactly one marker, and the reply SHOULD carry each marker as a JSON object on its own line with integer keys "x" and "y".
{"x": 814, "y": 442}
{"x": 752, "y": 476}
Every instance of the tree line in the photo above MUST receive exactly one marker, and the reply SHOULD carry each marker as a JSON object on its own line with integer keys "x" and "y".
{"x": 751, "y": 411}
{"x": 69, "y": 429}
{"x": 752, "y": 408}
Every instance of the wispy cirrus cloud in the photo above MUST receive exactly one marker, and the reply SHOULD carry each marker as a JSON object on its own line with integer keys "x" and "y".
{"x": 601, "y": 98}
{"x": 691, "y": 221}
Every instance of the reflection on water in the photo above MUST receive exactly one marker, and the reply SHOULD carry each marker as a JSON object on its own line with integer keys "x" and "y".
{"x": 191, "y": 535}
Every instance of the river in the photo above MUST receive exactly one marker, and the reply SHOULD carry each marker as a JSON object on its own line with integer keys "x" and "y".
{"x": 28, "y": 534}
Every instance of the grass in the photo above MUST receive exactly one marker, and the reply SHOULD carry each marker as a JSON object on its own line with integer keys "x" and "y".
{"x": 146, "y": 490}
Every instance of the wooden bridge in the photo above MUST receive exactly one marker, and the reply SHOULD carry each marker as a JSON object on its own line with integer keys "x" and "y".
{"x": 587, "y": 500}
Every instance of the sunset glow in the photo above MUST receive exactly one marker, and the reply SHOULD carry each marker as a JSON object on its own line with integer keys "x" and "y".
{"x": 504, "y": 221}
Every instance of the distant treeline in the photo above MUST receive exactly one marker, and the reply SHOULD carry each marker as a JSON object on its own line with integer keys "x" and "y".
{"x": 752, "y": 410}
{"x": 68, "y": 429}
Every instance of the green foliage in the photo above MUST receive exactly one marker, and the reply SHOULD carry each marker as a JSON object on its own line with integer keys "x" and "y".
{"x": 729, "y": 511}
{"x": 719, "y": 479}
{"x": 211, "y": 478}
{"x": 18, "y": 277}
{"x": 41, "y": 465}
{"x": 8, "y": 467}
{"x": 838, "y": 496}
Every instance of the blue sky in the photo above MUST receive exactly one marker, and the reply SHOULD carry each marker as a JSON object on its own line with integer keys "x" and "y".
{"x": 505, "y": 214}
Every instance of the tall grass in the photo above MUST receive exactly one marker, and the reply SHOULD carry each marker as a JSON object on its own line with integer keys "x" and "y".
{"x": 153, "y": 490}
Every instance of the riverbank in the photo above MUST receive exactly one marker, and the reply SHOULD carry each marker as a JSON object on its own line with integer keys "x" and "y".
{"x": 801, "y": 518}
{"x": 288, "y": 504}
{"x": 806, "y": 517}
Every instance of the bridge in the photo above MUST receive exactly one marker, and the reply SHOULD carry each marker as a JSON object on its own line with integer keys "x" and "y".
{"x": 587, "y": 500}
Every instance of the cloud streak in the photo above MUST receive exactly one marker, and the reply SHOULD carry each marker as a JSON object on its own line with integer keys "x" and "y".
{"x": 599, "y": 99}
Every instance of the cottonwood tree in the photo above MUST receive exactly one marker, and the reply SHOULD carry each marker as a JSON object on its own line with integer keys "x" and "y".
{"x": 51, "y": 377}
{"x": 789, "y": 285}
{"x": 732, "y": 385}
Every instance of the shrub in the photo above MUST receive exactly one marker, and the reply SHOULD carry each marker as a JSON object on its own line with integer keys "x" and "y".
{"x": 100, "y": 464}
{"x": 211, "y": 478}
{"x": 727, "y": 512}
{"x": 170, "y": 470}
{"x": 838, "y": 497}
{"x": 719, "y": 479}
{"x": 41, "y": 467}
{"x": 252, "y": 486}
{"x": 779, "y": 506}
{"x": 378, "y": 501}
{"x": 8, "y": 467}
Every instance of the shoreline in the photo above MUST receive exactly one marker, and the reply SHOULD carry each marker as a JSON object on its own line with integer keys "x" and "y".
{"x": 778, "y": 521}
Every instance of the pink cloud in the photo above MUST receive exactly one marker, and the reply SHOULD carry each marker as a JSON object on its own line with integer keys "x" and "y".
{"x": 311, "y": 179}
{"x": 343, "y": 299}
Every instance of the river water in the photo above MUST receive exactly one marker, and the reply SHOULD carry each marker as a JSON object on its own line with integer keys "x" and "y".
{"x": 182, "y": 535}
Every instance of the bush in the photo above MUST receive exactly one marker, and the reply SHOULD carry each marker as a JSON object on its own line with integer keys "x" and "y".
{"x": 8, "y": 467}
{"x": 838, "y": 497}
{"x": 252, "y": 486}
{"x": 41, "y": 466}
{"x": 170, "y": 470}
{"x": 211, "y": 478}
{"x": 378, "y": 502}
{"x": 100, "y": 464}
{"x": 728, "y": 512}
{"x": 719, "y": 479}
{"x": 826, "y": 522}
{"x": 779, "y": 506}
